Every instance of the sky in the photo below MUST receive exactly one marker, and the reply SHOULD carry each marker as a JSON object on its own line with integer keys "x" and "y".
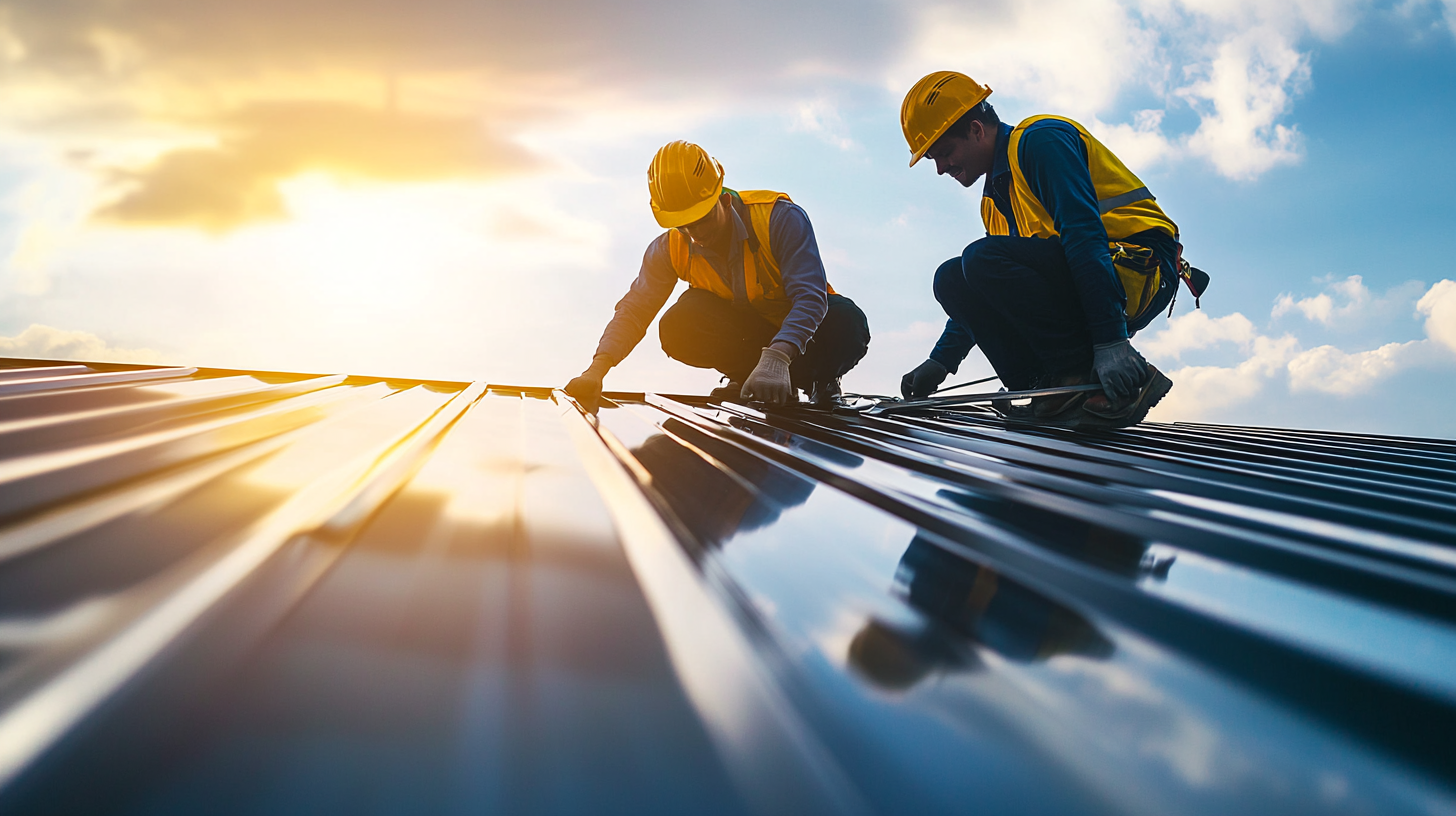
{"x": 457, "y": 190}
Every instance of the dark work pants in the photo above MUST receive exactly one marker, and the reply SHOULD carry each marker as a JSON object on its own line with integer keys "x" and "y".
{"x": 706, "y": 331}
{"x": 1017, "y": 298}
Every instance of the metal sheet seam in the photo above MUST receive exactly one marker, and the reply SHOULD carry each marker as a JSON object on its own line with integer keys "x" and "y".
{"x": 70, "y": 519}
{"x": 45, "y": 429}
{"x": 182, "y": 442}
{"x": 42, "y": 371}
{"x": 775, "y": 759}
{"x": 403, "y": 460}
{"x": 1158, "y": 462}
{"x": 37, "y": 721}
{"x": 77, "y": 380}
{"x": 1360, "y": 549}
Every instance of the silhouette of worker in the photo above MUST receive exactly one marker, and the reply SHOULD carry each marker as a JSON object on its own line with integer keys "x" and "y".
{"x": 714, "y": 505}
{"x": 967, "y": 606}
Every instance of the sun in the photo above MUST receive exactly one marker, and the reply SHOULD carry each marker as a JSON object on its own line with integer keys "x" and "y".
{"x": 372, "y": 248}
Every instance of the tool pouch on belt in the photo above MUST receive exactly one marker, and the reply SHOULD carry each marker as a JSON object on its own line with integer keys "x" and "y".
{"x": 1139, "y": 273}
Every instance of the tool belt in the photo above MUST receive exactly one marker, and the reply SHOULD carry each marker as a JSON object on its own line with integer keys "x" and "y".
{"x": 1140, "y": 274}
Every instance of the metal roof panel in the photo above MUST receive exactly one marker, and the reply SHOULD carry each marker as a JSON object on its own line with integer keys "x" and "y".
{"x": 261, "y": 592}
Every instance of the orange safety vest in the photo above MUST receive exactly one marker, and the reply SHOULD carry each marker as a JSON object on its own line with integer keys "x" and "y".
{"x": 761, "y": 280}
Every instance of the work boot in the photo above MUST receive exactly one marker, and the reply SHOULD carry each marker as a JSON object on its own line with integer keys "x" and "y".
{"x": 1009, "y": 410}
{"x": 1058, "y": 404}
{"x": 1134, "y": 410}
{"x": 826, "y": 393}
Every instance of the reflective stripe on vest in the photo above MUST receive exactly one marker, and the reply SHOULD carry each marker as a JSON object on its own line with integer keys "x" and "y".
{"x": 1107, "y": 205}
{"x": 761, "y": 280}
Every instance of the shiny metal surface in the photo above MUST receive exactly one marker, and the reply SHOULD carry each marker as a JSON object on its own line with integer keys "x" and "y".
{"x": 263, "y": 593}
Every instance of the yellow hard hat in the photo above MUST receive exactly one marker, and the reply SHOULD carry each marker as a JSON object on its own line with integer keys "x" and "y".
{"x": 934, "y": 104}
{"x": 684, "y": 182}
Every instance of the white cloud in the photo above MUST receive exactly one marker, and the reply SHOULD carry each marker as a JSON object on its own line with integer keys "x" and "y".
{"x": 1333, "y": 371}
{"x": 1318, "y": 308}
{"x": 1074, "y": 56}
{"x": 821, "y": 118}
{"x": 1321, "y": 308}
{"x": 1439, "y": 307}
{"x": 1140, "y": 144}
{"x": 1196, "y": 330}
{"x": 1239, "y": 65}
{"x": 1240, "y": 97}
{"x": 49, "y": 343}
{"x": 1349, "y": 304}
{"x": 1451, "y": 15}
{"x": 1201, "y": 391}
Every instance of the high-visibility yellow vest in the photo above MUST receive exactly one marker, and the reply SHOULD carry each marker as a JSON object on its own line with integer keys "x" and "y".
{"x": 761, "y": 280}
{"x": 1126, "y": 204}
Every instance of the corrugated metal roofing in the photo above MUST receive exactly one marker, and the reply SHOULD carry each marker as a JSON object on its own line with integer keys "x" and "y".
{"x": 249, "y": 592}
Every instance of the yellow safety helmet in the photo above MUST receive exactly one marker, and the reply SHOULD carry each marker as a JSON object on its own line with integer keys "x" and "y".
{"x": 934, "y": 104}
{"x": 684, "y": 182}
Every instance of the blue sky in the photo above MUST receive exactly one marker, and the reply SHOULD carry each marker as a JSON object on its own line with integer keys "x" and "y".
{"x": 437, "y": 190}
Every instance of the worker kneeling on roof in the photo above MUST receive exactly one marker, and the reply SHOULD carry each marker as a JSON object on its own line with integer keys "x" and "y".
{"x": 757, "y": 308}
{"x": 1077, "y": 258}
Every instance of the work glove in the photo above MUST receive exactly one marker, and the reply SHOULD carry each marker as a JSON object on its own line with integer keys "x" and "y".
{"x": 923, "y": 381}
{"x": 1120, "y": 369}
{"x": 769, "y": 381}
{"x": 587, "y": 389}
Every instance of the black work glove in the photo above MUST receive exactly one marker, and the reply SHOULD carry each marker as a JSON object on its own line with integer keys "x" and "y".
{"x": 1120, "y": 369}
{"x": 923, "y": 381}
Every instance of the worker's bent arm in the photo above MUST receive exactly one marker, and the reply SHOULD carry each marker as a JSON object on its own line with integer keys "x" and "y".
{"x": 1054, "y": 161}
{"x": 635, "y": 311}
{"x": 955, "y": 342}
{"x": 802, "y": 272}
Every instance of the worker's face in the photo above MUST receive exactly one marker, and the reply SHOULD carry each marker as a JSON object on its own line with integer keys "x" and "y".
{"x": 711, "y": 229}
{"x": 965, "y": 159}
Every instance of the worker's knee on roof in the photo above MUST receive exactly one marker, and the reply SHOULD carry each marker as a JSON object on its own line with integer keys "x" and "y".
{"x": 950, "y": 281}
{"x": 847, "y": 313}
{"x": 675, "y": 329}
{"x": 846, "y": 328}
{"x": 980, "y": 256}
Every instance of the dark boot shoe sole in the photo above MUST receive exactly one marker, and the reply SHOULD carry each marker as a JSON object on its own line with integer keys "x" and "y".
{"x": 1053, "y": 407}
{"x": 1152, "y": 393}
{"x": 1157, "y": 387}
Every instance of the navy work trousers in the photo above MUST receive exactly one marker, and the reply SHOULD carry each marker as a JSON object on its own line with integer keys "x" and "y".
{"x": 706, "y": 331}
{"x": 1017, "y": 299}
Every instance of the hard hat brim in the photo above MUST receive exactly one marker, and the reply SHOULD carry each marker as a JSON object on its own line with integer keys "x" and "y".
{"x": 681, "y": 218}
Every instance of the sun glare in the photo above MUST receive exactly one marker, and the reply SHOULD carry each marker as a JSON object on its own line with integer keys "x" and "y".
{"x": 369, "y": 248}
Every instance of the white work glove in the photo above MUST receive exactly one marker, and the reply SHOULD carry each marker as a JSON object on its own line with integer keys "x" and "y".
{"x": 769, "y": 381}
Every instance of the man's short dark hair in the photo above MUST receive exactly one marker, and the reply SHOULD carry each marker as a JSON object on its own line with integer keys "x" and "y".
{"x": 982, "y": 112}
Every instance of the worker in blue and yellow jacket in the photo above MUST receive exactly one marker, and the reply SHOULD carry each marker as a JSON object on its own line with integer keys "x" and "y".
{"x": 758, "y": 307}
{"x": 1078, "y": 256}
